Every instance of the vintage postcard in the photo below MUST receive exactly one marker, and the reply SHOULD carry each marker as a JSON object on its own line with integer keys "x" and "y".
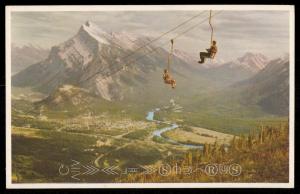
{"x": 150, "y": 96}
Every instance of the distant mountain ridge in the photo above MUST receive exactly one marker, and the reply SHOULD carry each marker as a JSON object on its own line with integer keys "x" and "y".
{"x": 26, "y": 55}
{"x": 251, "y": 61}
{"x": 269, "y": 88}
{"x": 237, "y": 70}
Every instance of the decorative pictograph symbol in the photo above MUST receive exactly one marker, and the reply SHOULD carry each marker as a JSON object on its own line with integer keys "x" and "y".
{"x": 211, "y": 169}
{"x": 235, "y": 169}
{"x": 148, "y": 169}
{"x": 165, "y": 170}
{"x": 90, "y": 169}
{"x": 63, "y": 170}
{"x": 110, "y": 170}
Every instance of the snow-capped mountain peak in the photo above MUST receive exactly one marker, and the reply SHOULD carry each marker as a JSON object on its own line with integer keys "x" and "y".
{"x": 253, "y": 62}
{"x": 125, "y": 39}
{"x": 285, "y": 57}
{"x": 94, "y": 31}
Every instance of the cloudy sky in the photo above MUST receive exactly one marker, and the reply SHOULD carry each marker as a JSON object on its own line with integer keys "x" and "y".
{"x": 236, "y": 32}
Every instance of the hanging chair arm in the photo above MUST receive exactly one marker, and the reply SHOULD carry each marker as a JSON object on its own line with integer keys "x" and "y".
{"x": 211, "y": 27}
{"x": 170, "y": 54}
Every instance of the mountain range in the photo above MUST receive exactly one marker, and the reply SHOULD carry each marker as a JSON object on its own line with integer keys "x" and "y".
{"x": 97, "y": 61}
{"x": 26, "y": 55}
{"x": 269, "y": 88}
{"x": 104, "y": 65}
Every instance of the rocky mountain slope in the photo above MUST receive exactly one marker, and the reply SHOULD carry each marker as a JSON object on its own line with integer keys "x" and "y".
{"x": 269, "y": 88}
{"x": 97, "y": 61}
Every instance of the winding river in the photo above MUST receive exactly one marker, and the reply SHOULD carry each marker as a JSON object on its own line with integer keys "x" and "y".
{"x": 158, "y": 132}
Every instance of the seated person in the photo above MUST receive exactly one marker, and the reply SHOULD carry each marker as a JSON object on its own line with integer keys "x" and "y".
{"x": 210, "y": 52}
{"x": 168, "y": 80}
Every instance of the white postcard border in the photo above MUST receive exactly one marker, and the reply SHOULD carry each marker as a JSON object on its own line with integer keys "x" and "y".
{"x": 10, "y": 9}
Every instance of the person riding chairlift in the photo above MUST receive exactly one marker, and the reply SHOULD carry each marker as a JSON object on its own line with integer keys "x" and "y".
{"x": 211, "y": 52}
{"x": 168, "y": 80}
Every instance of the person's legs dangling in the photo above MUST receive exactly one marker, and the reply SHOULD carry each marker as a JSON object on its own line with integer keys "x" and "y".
{"x": 173, "y": 84}
{"x": 203, "y": 55}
